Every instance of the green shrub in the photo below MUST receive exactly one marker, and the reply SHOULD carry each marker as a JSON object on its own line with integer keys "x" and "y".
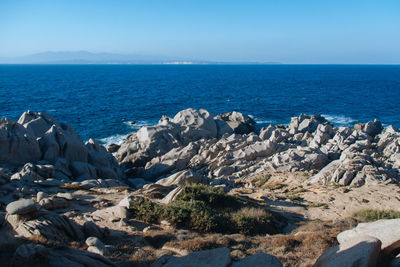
{"x": 369, "y": 215}
{"x": 146, "y": 210}
{"x": 295, "y": 198}
{"x": 251, "y": 221}
{"x": 210, "y": 196}
{"x": 206, "y": 209}
{"x": 260, "y": 181}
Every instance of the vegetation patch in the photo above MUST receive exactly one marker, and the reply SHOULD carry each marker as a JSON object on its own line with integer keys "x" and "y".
{"x": 317, "y": 205}
{"x": 207, "y": 209}
{"x": 260, "y": 181}
{"x": 369, "y": 215}
{"x": 295, "y": 198}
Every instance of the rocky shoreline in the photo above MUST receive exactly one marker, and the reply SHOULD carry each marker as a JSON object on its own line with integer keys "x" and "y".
{"x": 56, "y": 189}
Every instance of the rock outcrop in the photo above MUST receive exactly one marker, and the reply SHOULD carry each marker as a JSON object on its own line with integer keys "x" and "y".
{"x": 227, "y": 147}
{"x": 53, "y": 150}
{"x": 368, "y": 244}
{"x": 33, "y": 223}
{"x": 61, "y": 256}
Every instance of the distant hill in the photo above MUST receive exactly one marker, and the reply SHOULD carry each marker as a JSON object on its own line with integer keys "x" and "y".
{"x": 85, "y": 57}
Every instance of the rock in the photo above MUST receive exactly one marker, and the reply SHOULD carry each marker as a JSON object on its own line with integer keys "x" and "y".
{"x": 154, "y": 191}
{"x": 171, "y": 195}
{"x": 266, "y": 133}
{"x": 364, "y": 252}
{"x": 22, "y": 206}
{"x": 91, "y": 229}
{"x": 148, "y": 142}
{"x": 387, "y": 231}
{"x": 238, "y": 122}
{"x": 60, "y": 256}
{"x": 47, "y": 226}
{"x": 258, "y": 260}
{"x": 218, "y": 257}
{"x": 182, "y": 178}
{"x": 197, "y": 124}
{"x": 17, "y": 146}
{"x": 223, "y": 128}
{"x": 93, "y": 241}
{"x": 49, "y": 183}
{"x": 53, "y": 203}
{"x": 395, "y": 262}
{"x": 114, "y": 213}
{"x": 150, "y": 228}
{"x": 127, "y": 202}
{"x": 137, "y": 182}
{"x": 373, "y": 128}
{"x": 2, "y": 218}
{"x": 96, "y": 246}
{"x": 39, "y": 136}
{"x": 67, "y": 196}
{"x": 175, "y": 159}
{"x": 112, "y": 148}
{"x": 40, "y": 196}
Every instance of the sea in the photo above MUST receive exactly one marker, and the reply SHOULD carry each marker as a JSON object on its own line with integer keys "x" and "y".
{"x": 107, "y": 102}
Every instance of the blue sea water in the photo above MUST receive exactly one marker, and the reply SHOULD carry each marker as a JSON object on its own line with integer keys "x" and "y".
{"x": 100, "y": 100}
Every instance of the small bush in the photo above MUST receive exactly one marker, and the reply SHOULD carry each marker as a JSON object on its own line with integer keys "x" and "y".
{"x": 212, "y": 197}
{"x": 206, "y": 209}
{"x": 295, "y": 197}
{"x": 369, "y": 215}
{"x": 146, "y": 210}
{"x": 250, "y": 221}
{"x": 260, "y": 181}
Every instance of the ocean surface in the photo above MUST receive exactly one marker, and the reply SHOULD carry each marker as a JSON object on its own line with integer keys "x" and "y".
{"x": 101, "y": 101}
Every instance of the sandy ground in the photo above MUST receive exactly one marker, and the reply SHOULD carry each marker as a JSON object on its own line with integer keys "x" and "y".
{"x": 289, "y": 194}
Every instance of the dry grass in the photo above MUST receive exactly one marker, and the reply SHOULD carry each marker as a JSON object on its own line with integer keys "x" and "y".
{"x": 302, "y": 247}
{"x": 142, "y": 257}
{"x": 369, "y": 215}
{"x": 71, "y": 186}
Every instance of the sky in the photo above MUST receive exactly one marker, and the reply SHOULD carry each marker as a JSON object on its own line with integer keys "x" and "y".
{"x": 293, "y": 32}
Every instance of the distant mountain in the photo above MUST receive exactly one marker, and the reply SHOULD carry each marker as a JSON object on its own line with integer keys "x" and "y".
{"x": 85, "y": 57}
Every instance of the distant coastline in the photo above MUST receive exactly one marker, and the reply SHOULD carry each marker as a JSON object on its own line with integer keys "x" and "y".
{"x": 88, "y": 58}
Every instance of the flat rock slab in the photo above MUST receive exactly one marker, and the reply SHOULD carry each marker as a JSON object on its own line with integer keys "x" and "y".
{"x": 363, "y": 254}
{"x": 219, "y": 257}
{"x": 61, "y": 256}
{"x": 387, "y": 231}
{"x": 258, "y": 260}
{"x": 22, "y": 206}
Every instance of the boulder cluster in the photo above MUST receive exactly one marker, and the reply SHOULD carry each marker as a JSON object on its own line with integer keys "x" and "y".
{"x": 40, "y": 158}
{"x": 368, "y": 244}
{"x": 38, "y": 151}
{"x": 196, "y": 146}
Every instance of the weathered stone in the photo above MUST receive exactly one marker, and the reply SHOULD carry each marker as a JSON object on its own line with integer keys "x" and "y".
{"x": 91, "y": 229}
{"x": 182, "y": 178}
{"x": 127, "y": 202}
{"x": 60, "y": 256}
{"x": 240, "y": 123}
{"x": 387, "y": 231}
{"x": 171, "y": 195}
{"x": 218, "y": 257}
{"x": 67, "y": 196}
{"x": 49, "y": 226}
{"x": 364, "y": 252}
{"x": 17, "y": 146}
{"x": 22, "y": 206}
{"x": 258, "y": 260}
{"x": 41, "y": 195}
{"x": 96, "y": 246}
{"x": 53, "y": 203}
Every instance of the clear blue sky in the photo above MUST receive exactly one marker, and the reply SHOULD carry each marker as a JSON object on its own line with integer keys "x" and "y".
{"x": 297, "y": 31}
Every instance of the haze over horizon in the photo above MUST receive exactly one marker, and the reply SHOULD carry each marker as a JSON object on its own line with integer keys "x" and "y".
{"x": 292, "y": 32}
